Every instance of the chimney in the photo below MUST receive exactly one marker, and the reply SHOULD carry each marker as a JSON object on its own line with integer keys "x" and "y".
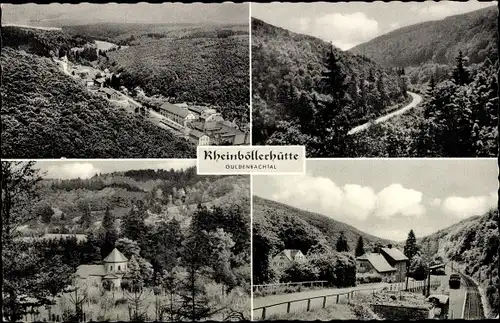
{"x": 389, "y": 246}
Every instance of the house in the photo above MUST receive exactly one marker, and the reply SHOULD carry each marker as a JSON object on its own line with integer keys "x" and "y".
{"x": 286, "y": 258}
{"x": 83, "y": 73}
{"x": 199, "y": 138}
{"x": 113, "y": 267}
{"x": 111, "y": 94}
{"x": 375, "y": 263}
{"x": 89, "y": 83}
{"x": 99, "y": 82}
{"x": 388, "y": 262}
{"x": 177, "y": 114}
{"x": 396, "y": 259}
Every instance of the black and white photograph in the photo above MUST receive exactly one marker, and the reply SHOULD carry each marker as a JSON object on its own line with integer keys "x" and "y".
{"x": 376, "y": 79}
{"x": 123, "y": 80}
{"x": 377, "y": 240}
{"x": 124, "y": 240}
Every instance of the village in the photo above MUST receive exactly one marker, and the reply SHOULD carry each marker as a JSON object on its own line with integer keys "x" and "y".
{"x": 201, "y": 125}
{"x": 438, "y": 294}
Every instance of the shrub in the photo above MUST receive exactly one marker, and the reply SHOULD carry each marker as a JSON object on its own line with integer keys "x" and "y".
{"x": 368, "y": 278}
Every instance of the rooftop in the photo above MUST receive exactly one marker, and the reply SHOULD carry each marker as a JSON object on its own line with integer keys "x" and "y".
{"x": 115, "y": 256}
{"x": 181, "y": 112}
{"x": 84, "y": 271}
{"x": 395, "y": 254}
{"x": 377, "y": 261}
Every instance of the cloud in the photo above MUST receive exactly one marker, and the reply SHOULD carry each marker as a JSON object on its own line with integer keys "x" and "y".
{"x": 463, "y": 207}
{"x": 72, "y": 170}
{"x": 395, "y": 199}
{"x": 351, "y": 201}
{"x": 343, "y": 30}
{"x": 436, "y": 202}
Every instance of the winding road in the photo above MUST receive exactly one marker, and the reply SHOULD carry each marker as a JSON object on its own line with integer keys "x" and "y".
{"x": 416, "y": 100}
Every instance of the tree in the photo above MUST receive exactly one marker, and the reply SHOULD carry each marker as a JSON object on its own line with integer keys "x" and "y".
{"x": 133, "y": 224}
{"x": 410, "y": 251}
{"x": 410, "y": 248}
{"x": 460, "y": 74}
{"x": 360, "y": 250}
{"x": 110, "y": 232}
{"x": 19, "y": 193}
{"x": 45, "y": 212}
{"x": 342, "y": 245}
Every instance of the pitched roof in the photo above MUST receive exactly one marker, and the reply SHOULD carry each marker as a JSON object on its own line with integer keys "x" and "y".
{"x": 115, "y": 256}
{"x": 377, "y": 261}
{"x": 196, "y": 133}
{"x": 84, "y": 271}
{"x": 111, "y": 275}
{"x": 395, "y": 254}
{"x": 178, "y": 111}
{"x": 290, "y": 253}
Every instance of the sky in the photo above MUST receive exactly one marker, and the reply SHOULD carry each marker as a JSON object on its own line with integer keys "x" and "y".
{"x": 349, "y": 24}
{"x": 142, "y": 12}
{"x": 388, "y": 198}
{"x": 61, "y": 169}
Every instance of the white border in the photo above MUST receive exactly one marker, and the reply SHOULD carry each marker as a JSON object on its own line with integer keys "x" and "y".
{"x": 303, "y": 172}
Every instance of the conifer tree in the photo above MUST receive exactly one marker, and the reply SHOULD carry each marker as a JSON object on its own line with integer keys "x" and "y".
{"x": 360, "y": 249}
{"x": 342, "y": 245}
{"x": 460, "y": 74}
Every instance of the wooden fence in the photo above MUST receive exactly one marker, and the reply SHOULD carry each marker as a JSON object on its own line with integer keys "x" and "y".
{"x": 414, "y": 286}
{"x": 312, "y": 283}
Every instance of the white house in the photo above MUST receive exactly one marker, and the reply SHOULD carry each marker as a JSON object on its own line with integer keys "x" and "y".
{"x": 113, "y": 268}
{"x": 286, "y": 258}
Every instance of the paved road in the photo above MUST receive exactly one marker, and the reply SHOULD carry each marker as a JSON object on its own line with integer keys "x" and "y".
{"x": 274, "y": 299}
{"x": 416, "y": 100}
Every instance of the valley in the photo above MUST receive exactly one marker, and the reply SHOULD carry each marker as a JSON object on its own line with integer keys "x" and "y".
{"x": 198, "y": 97}
{"x": 322, "y": 97}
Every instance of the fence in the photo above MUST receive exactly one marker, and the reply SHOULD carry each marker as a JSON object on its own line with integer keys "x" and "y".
{"x": 413, "y": 286}
{"x": 312, "y": 283}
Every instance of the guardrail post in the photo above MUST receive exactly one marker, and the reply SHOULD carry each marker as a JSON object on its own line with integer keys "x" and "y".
{"x": 337, "y": 299}
{"x": 263, "y": 313}
{"x": 308, "y": 304}
{"x": 324, "y": 302}
{"x": 288, "y": 307}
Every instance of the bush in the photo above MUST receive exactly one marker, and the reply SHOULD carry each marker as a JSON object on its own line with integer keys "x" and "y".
{"x": 368, "y": 278}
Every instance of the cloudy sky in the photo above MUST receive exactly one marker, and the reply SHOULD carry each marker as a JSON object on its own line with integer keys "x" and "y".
{"x": 349, "y": 24}
{"x": 67, "y": 14}
{"x": 387, "y": 198}
{"x": 85, "y": 169}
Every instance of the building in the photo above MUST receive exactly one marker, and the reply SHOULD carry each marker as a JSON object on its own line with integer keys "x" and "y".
{"x": 89, "y": 83}
{"x": 388, "y": 262}
{"x": 113, "y": 267}
{"x": 396, "y": 259}
{"x": 286, "y": 258}
{"x": 177, "y": 114}
{"x": 198, "y": 138}
{"x": 99, "y": 82}
{"x": 375, "y": 263}
{"x": 111, "y": 94}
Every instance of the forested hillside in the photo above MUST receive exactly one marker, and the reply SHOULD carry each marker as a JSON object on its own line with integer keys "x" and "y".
{"x": 305, "y": 91}
{"x": 474, "y": 33}
{"x": 186, "y": 62}
{"x": 277, "y": 226}
{"x": 473, "y": 245}
{"x": 45, "y": 114}
{"x": 186, "y": 237}
{"x": 458, "y": 118}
